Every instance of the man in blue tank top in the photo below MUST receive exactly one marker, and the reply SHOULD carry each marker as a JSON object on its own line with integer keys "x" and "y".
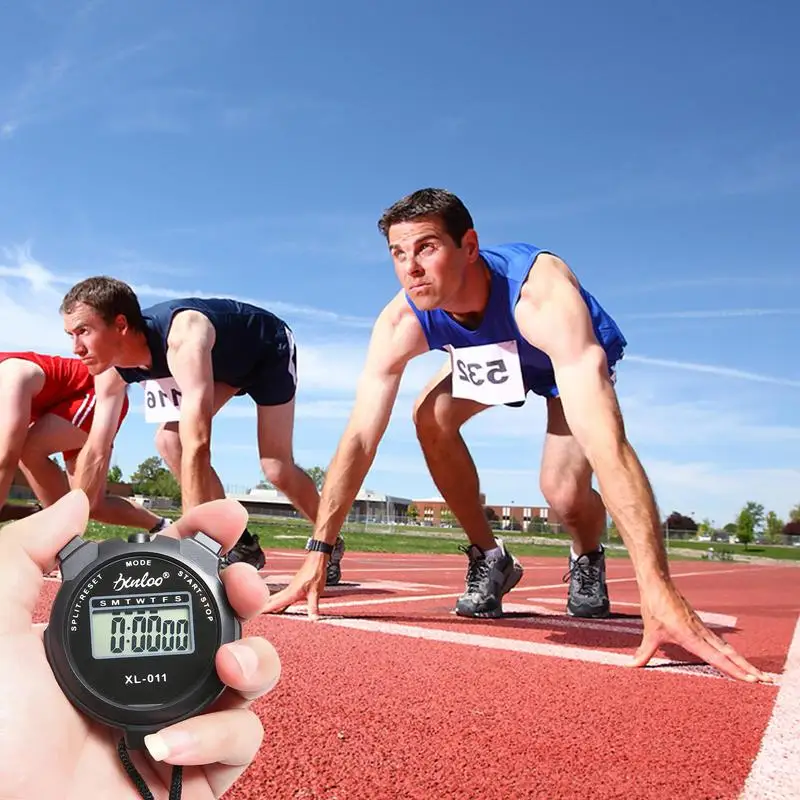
{"x": 192, "y": 356}
{"x": 514, "y": 320}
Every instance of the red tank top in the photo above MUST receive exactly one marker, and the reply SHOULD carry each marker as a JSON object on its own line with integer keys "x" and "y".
{"x": 64, "y": 378}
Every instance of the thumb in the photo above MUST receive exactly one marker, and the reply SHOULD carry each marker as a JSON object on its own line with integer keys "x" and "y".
{"x": 28, "y": 548}
{"x": 646, "y": 650}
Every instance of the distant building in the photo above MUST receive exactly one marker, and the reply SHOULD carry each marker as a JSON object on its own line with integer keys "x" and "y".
{"x": 369, "y": 505}
{"x": 434, "y": 511}
{"x": 20, "y": 490}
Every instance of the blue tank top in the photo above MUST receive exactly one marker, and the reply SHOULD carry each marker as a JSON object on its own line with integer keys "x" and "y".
{"x": 509, "y": 265}
{"x": 248, "y": 338}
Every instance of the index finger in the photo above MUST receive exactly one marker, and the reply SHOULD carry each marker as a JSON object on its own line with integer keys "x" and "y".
{"x": 733, "y": 655}
{"x": 704, "y": 648}
{"x": 281, "y": 600}
{"x": 222, "y": 520}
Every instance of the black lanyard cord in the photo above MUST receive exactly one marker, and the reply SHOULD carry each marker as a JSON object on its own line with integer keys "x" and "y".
{"x": 141, "y": 787}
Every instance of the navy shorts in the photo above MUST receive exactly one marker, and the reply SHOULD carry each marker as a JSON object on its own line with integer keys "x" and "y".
{"x": 273, "y": 380}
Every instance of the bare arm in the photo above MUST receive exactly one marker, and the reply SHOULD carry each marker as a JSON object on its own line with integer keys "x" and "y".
{"x": 191, "y": 338}
{"x": 19, "y": 382}
{"x": 91, "y": 467}
{"x": 397, "y": 337}
{"x": 553, "y": 316}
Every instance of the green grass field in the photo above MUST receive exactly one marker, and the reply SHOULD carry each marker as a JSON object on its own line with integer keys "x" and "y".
{"x": 292, "y": 535}
{"x": 781, "y": 552}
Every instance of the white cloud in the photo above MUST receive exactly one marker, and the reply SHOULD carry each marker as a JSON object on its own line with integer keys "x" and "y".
{"x": 29, "y": 305}
{"x": 242, "y": 408}
{"x": 81, "y": 71}
{"x": 719, "y": 313}
{"x": 718, "y": 492}
{"x": 25, "y": 267}
{"x": 335, "y": 366}
{"x": 712, "y": 369}
{"x": 652, "y": 419}
{"x": 324, "y": 409}
{"x": 278, "y": 307}
{"x": 35, "y": 327}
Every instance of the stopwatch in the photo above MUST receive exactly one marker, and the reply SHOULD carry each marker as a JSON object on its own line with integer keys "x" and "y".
{"x": 135, "y": 628}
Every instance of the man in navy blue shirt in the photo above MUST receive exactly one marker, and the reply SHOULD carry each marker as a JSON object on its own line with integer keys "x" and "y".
{"x": 192, "y": 356}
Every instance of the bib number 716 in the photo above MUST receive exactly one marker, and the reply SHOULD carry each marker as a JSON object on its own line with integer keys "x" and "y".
{"x": 489, "y": 373}
{"x": 162, "y": 400}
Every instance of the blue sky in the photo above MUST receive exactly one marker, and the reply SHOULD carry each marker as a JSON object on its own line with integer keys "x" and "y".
{"x": 247, "y": 149}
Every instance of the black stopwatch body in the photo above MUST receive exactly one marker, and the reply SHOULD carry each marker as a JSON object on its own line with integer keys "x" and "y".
{"x": 135, "y": 628}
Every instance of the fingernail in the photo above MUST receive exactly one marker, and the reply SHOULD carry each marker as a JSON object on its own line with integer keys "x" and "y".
{"x": 169, "y": 744}
{"x": 246, "y": 658}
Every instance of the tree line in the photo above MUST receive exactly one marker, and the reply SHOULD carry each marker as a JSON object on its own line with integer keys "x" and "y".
{"x": 152, "y": 479}
{"x": 751, "y": 521}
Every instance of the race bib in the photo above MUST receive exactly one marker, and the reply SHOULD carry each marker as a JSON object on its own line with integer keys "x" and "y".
{"x": 162, "y": 400}
{"x": 488, "y": 373}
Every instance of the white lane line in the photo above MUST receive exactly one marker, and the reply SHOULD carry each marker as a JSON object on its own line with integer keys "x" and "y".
{"x": 632, "y": 579}
{"x": 348, "y": 569}
{"x": 709, "y": 617}
{"x": 549, "y": 618}
{"x": 455, "y": 568}
{"x": 608, "y": 658}
{"x": 459, "y": 564}
{"x": 419, "y": 598}
{"x": 301, "y": 607}
{"x": 362, "y": 586}
{"x": 611, "y": 624}
{"x": 775, "y": 774}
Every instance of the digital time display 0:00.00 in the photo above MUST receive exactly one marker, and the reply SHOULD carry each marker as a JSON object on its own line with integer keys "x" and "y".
{"x": 153, "y": 631}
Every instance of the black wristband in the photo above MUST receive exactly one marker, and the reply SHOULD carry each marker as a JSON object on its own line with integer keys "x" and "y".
{"x": 319, "y": 546}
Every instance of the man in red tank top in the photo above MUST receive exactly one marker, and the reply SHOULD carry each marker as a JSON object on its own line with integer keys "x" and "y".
{"x": 47, "y": 406}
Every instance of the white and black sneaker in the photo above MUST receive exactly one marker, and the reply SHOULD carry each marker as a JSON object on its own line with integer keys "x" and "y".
{"x": 588, "y": 593}
{"x": 487, "y": 581}
{"x": 334, "y": 571}
{"x": 248, "y": 550}
{"x": 162, "y": 524}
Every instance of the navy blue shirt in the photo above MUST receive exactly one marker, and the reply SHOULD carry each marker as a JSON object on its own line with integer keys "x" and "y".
{"x": 253, "y": 349}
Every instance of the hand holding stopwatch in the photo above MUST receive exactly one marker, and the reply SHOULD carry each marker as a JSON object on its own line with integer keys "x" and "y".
{"x": 135, "y": 628}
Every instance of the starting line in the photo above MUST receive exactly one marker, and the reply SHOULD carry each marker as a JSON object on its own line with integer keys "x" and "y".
{"x": 537, "y": 614}
{"x": 605, "y": 657}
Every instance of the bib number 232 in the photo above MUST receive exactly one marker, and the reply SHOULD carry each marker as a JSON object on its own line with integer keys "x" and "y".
{"x": 162, "y": 400}
{"x": 488, "y": 373}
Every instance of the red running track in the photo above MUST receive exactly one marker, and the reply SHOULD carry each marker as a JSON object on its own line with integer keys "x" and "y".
{"x": 391, "y": 696}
